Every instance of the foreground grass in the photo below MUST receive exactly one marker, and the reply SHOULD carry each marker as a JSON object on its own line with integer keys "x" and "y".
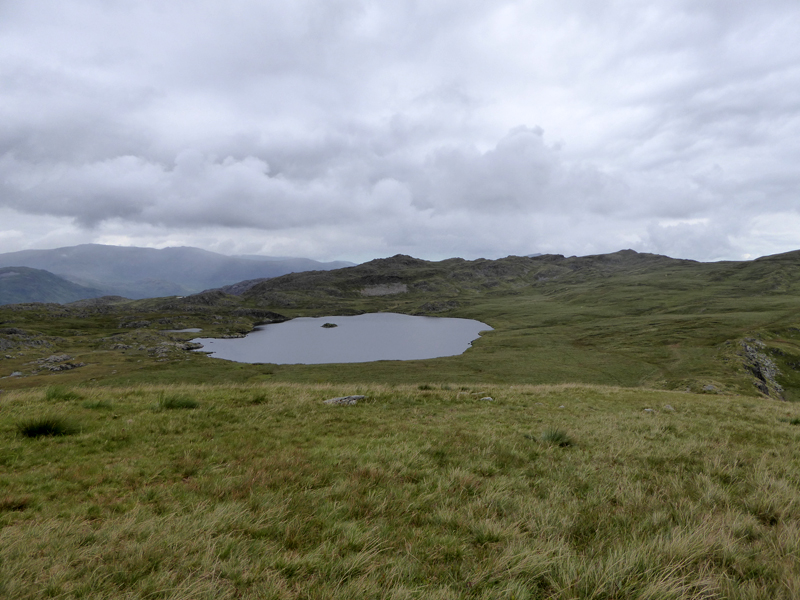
{"x": 422, "y": 491}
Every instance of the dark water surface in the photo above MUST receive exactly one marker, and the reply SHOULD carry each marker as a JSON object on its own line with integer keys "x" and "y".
{"x": 363, "y": 338}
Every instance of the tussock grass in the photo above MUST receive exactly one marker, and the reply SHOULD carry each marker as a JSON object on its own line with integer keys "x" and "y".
{"x": 555, "y": 437}
{"x": 176, "y": 402}
{"x": 47, "y": 426}
{"x": 57, "y": 393}
{"x": 14, "y": 503}
{"x": 97, "y": 405}
{"x": 413, "y": 494}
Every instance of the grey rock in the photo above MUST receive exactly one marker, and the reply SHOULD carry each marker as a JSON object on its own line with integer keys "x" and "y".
{"x": 68, "y": 366}
{"x": 344, "y": 400}
{"x": 488, "y": 399}
{"x": 53, "y": 359}
{"x": 710, "y": 388}
{"x": 763, "y": 368}
{"x": 668, "y": 408}
{"x": 649, "y": 410}
{"x": 134, "y": 324}
{"x": 384, "y": 289}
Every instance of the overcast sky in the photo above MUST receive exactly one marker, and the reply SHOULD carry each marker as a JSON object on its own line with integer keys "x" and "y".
{"x": 346, "y": 129}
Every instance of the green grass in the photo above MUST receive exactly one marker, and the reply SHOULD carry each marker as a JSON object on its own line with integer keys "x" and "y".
{"x": 176, "y": 402}
{"x": 98, "y": 404}
{"x": 617, "y": 320}
{"x": 57, "y": 393}
{"x": 555, "y": 437}
{"x": 191, "y": 477}
{"x": 265, "y": 492}
{"x": 46, "y": 426}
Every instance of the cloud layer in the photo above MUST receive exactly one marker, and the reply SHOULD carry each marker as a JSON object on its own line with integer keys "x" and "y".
{"x": 353, "y": 129}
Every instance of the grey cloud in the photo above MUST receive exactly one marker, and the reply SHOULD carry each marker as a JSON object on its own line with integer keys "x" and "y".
{"x": 520, "y": 174}
{"x": 403, "y": 119}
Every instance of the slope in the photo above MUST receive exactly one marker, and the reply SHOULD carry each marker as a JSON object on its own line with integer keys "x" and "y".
{"x": 22, "y": 284}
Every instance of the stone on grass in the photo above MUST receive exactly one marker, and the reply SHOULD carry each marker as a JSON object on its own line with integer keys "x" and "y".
{"x": 668, "y": 408}
{"x": 488, "y": 399}
{"x": 649, "y": 410}
{"x": 344, "y": 400}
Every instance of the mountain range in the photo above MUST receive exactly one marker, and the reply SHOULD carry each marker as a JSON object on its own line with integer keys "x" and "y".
{"x": 97, "y": 270}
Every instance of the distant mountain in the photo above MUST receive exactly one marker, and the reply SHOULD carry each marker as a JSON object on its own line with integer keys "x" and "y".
{"x": 149, "y": 273}
{"x": 448, "y": 279}
{"x": 22, "y": 284}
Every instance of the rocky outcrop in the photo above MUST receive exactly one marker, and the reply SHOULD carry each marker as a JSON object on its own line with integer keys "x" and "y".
{"x": 763, "y": 368}
{"x": 344, "y": 400}
{"x": 12, "y": 338}
{"x": 56, "y": 363}
{"x": 263, "y": 316}
{"x": 384, "y": 289}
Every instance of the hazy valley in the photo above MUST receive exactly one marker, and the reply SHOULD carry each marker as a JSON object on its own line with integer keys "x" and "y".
{"x": 140, "y": 272}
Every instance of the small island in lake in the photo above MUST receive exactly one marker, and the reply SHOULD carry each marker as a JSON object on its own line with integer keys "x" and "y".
{"x": 329, "y": 325}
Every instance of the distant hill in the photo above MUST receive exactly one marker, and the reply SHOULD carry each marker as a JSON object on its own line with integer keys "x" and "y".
{"x": 22, "y": 284}
{"x": 149, "y": 273}
{"x": 623, "y": 319}
{"x": 452, "y": 278}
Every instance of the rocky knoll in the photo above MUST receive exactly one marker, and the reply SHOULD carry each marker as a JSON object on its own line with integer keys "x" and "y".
{"x": 447, "y": 279}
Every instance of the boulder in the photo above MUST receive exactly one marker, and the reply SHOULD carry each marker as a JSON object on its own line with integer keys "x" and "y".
{"x": 344, "y": 400}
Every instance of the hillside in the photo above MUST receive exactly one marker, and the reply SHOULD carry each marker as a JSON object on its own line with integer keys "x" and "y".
{"x": 461, "y": 492}
{"x": 21, "y": 284}
{"x": 454, "y": 279}
{"x": 148, "y": 272}
{"x": 628, "y": 430}
{"x": 625, "y": 319}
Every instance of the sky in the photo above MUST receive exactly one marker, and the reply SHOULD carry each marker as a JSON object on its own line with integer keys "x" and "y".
{"x": 356, "y": 129}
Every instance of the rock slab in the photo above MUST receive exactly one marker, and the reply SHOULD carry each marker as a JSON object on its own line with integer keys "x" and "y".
{"x": 344, "y": 400}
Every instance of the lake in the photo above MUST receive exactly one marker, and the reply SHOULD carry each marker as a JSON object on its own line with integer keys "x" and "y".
{"x": 362, "y": 338}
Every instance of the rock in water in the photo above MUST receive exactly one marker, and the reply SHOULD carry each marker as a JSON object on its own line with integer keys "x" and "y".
{"x": 344, "y": 400}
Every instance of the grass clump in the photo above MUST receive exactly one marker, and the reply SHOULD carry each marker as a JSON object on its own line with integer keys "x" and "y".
{"x": 260, "y": 398}
{"x": 57, "y": 393}
{"x": 14, "y": 503}
{"x": 176, "y": 403}
{"x": 46, "y": 426}
{"x": 97, "y": 405}
{"x": 555, "y": 437}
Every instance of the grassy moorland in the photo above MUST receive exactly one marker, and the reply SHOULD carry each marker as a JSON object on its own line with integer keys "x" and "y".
{"x": 423, "y": 491}
{"x": 623, "y": 319}
{"x": 637, "y": 444}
